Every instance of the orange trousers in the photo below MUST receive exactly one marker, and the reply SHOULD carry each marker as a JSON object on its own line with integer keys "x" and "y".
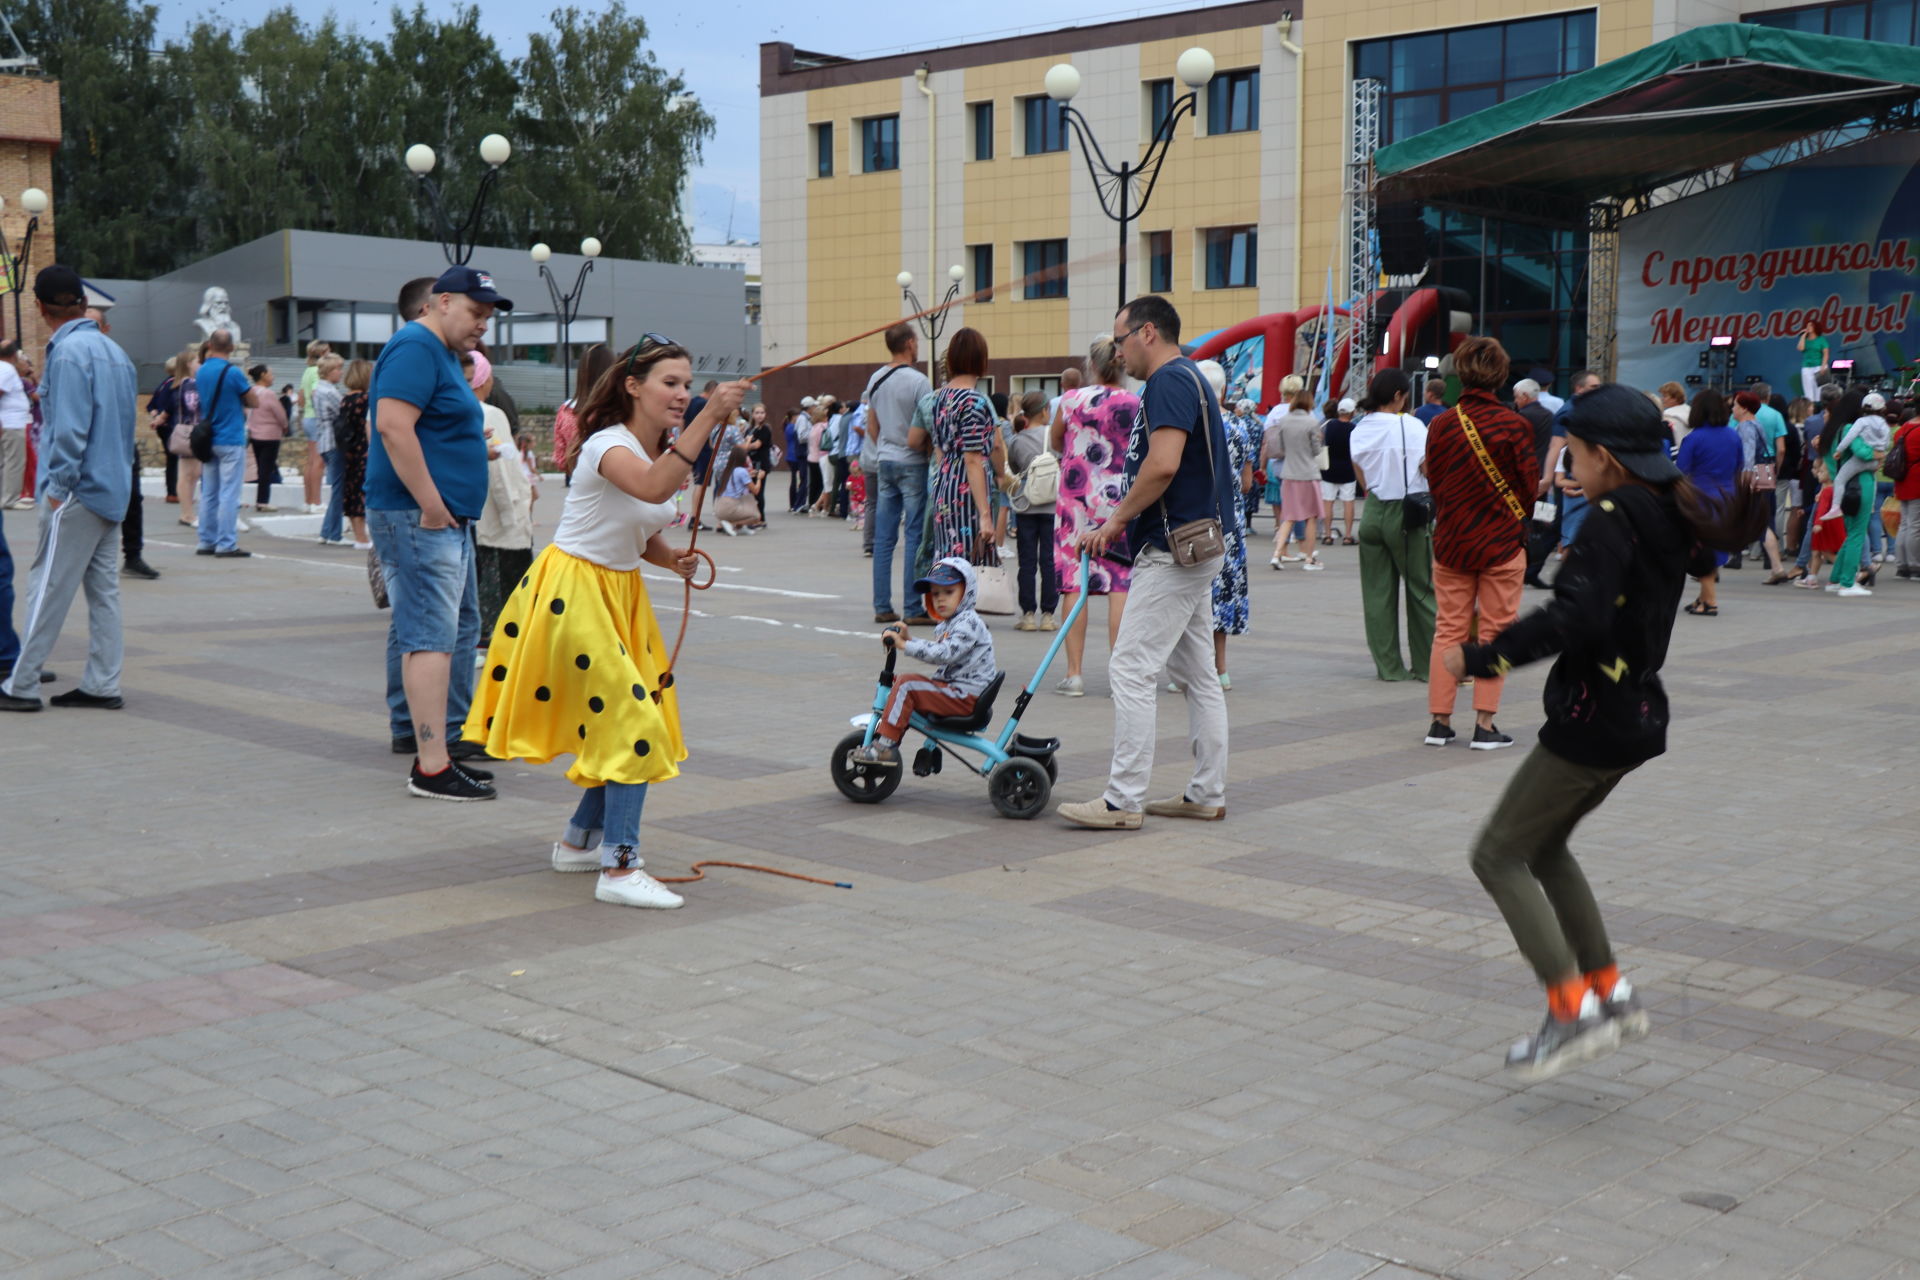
{"x": 1497, "y": 593}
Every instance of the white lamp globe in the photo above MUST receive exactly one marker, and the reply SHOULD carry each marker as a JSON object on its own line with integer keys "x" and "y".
{"x": 956, "y": 273}
{"x": 33, "y": 200}
{"x": 420, "y": 159}
{"x": 904, "y": 279}
{"x": 1063, "y": 81}
{"x": 495, "y": 149}
{"x": 1194, "y": 68}
{"x": 540, "y": 252}
{"x": 590, "y": 247}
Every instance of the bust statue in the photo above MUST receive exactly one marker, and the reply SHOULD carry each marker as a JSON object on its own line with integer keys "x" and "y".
{"x": 216, "y": 312}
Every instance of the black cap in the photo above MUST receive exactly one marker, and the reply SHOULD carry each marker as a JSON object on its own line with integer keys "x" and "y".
{"x": 476, "y": 284}
{"x": 59, "y": 286}
{"x": 1624, "y": 423}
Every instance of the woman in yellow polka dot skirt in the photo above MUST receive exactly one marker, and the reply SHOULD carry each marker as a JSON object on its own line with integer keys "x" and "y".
{"x": 576, "y": 659}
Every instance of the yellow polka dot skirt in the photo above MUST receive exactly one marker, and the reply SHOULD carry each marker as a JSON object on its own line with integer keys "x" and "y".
{"x": 574, "y": 668}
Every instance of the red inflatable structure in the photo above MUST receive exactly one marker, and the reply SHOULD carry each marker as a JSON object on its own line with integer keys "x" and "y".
{"x": 1281, "y": 332}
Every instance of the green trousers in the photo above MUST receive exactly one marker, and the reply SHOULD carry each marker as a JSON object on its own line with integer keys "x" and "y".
{"x": 1390, "y": 556}
{"x": 1846, "y": 564}
{"x": 1523, "y": 861}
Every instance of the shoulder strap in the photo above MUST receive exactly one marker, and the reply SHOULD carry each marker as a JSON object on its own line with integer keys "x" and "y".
{"x": 1500, "y": 484}
{"x": 1206, "y": 429}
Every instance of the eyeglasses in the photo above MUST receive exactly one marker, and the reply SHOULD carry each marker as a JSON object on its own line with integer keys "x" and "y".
{"x": 646, "y": 340}
{"x": 1121, "y": 341}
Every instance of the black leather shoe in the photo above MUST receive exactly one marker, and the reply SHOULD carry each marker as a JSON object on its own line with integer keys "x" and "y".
{"x": 467, "y": 749}
{"x": 81, "y": 698}
{"x": 135, "y": 567}
{"x": 404, "y": 745}
{"x": 10, "y": 703}
{"x": 203, "y": 551}
{"x": 233, "y": 553}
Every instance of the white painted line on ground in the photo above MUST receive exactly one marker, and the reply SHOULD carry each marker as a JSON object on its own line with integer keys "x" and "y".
{"x": 360, "y": 568}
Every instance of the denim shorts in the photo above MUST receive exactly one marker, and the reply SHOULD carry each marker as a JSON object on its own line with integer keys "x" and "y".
{"x": 427, "y": 572}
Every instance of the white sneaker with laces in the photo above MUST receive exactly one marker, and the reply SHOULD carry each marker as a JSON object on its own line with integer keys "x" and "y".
{"x": 726, "y": 528}
{"x": 1026, "y": 623}
{"x": 568, "y": 858}
{"x": 1855, "y": 590}
{"x": 1071, "y": 687}
{"x": 636, "y": 889}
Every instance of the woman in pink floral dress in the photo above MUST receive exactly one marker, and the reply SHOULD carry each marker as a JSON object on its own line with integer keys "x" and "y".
{"x": 1090, "y": 432}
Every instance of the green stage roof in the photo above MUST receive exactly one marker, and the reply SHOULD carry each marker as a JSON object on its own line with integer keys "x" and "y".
{"x": 1710, "y": 97}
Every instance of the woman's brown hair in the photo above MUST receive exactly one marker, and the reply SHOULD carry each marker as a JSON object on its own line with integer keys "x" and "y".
{"x": 1482, "y": 364}
{"x": 967, "y": 354}
{"x": 358, "y": 377}
{"x": 593, "y": 363}
{"x": 608, "y": 404}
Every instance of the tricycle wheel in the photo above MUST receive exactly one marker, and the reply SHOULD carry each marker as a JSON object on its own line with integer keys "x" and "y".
{"x": 1019, "y": 787}
{"x": 862, "y": 783}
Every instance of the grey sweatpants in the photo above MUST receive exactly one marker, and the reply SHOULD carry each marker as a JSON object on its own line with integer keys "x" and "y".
{"x": 77, "y": 548}
{"x": 1907, "y": 544}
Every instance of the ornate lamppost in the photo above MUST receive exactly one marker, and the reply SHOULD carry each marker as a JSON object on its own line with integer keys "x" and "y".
{"x": 1115, "y": 183}
{"x": 566, "y": 306}
{"x": 931, "y": 325}
{"x": 34, "y": 201}
{"x": 457, "y": 242}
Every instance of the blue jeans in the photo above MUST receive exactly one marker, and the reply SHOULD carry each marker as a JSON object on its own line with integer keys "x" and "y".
{"x": 902, "y": 498}
{"x": 336, "y": 468}
{"x": 436, "y": 607}
{"x": 1878, "y": 542}
{"x": 220, "y": 496}
{"x": 9, "y": 638}
{"x": 610, "y": 814}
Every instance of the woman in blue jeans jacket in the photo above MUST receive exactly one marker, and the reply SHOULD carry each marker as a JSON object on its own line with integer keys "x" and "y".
{"x": 1711, "y": 458}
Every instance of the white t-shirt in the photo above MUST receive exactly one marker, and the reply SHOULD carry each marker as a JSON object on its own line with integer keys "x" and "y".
{"x": 1376, "y": 448}
{"x": 601, "y": 523}
{"x": 16, "y": 411}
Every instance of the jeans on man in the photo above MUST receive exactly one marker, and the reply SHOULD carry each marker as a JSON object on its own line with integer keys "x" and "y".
{"x": 436, "y": 607}
{"x": 1033, "y": 535}
{"x": 1168, "y": 625}
{"x": 330, "y": 523}
{"x": 77, "y": 549}
{"x": 220, "y": 497}
{"x": 902, "y": 500}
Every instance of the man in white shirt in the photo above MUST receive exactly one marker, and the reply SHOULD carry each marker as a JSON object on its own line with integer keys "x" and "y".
{"x": 16, "y": 413}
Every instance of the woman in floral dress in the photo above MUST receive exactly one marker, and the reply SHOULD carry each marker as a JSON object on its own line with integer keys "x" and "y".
{"x": 1090, "y": 433}
{"x": 1230, "y": 584}
{"x": 963, "y": 431}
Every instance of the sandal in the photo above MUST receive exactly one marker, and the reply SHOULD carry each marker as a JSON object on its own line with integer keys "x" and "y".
{"x": 1349, "y": 542}
{"x": 1780, "y": 577}
{"x": 1701, "y": 609}
{"x": 1326, "y": 539}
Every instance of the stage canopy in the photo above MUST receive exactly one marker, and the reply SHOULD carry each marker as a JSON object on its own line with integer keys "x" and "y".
{"x": 1705, "y": 99}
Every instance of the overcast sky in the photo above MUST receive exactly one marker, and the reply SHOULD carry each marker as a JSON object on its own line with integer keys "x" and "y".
{"x": 715, "y": 44}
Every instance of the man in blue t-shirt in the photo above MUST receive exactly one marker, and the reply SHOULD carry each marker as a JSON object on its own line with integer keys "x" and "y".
{"x": 426, "y": 486}
{"x": 1178, "y": 472}
{"x": 226, "y": 393}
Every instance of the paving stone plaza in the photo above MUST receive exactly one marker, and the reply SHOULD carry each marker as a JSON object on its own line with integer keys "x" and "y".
{"x": 264, "y": 1015}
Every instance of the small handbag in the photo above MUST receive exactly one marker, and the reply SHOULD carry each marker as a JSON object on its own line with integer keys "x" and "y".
{"x": 1198, "y": 541}
{"x": 1416, "y": 509}
{"x": 993, "y": 587}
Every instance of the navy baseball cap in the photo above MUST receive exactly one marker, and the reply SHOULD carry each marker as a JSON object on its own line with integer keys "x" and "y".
{"x": 942, "y": 575}
{"x": 59, "y": 286}
{"x": 476, "y": 284}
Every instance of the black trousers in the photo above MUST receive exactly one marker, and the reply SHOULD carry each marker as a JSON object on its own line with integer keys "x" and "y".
{"x": 841, "y": 469}
{"x": 266, "y": 464}
{"x": 133, "y": 529}
{"x": 1033, "y": 536}
{"x": 813, "y": 484}
{"x": 796, "y": 484}
{"x": 173, "y": 463}
{"x": 1541, "y": 540}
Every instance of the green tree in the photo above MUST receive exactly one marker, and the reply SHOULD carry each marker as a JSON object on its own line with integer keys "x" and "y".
{"x": 601, "y": 149}
{"x": 118, "y": 192}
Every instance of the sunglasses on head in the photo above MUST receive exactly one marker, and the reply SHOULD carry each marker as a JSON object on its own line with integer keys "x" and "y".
{"x": 646, "y": 340}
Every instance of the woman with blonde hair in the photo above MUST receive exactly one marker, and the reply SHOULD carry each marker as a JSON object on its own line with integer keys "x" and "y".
{"x": 1293, "y": 438}
{"x": 325, "y": 403}
{"x": 309, "y": 378}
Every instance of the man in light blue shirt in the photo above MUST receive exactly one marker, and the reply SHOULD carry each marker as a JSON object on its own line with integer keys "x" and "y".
{"x": 226, "y": 393}
{"x": 89, "y": 396}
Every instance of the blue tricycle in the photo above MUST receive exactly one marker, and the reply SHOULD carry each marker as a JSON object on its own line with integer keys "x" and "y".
{"x": 1019, "y": 770}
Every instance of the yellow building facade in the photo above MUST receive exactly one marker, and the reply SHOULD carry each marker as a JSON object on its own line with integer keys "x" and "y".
{"x": 946, "y": 157}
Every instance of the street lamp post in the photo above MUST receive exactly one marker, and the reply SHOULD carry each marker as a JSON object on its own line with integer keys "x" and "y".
{"x": 566, "y": 306}
{"x": 1114, "y": 183}
{"x": 457, "y": 242}
{"x": 931, "y": 325}
{"x": 34, "y": 201}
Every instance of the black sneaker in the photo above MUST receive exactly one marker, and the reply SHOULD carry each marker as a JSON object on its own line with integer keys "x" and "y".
{"x": 1439, "y": 735}
{"x": 203, "y": 551}
{"x": 233, "y": 553}
{"x": 10, "y": 703}
{"x": 465, "y": 749}
{"x": 1489, "y": 739}
{"x": 1622, "y": 1007}
{"x": 135, "y": 567}
{"x": 404, "y": 745}
{"x": 474, "y": 771}
{"x": 451, "y": 783}
{"x": 81, "y": 698}
{"x": 1560, "y": 1046}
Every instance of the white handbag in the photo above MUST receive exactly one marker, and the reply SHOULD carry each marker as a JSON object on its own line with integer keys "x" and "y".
{"x": 993, "y": 586}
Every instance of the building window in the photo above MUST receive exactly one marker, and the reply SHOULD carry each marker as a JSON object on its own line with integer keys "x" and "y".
{"x": 823, "y": 150}
{"x": 1046, "y": 262}
{"x": 1233, "y": 102}
{"x": 1887, "y": 21}
{"x": 980, "y": 117}
{"x": 1046, "y": 125}
{"x": 1047, "y": 384}
{"x": 1159, "y": 105}
{"x": 879, "y": 144}
{"x": 982, "y": 269}
{"x": 1159, "y": 261}
{"x": 1231, "y": 254}
{"x": 1437, "y": 76}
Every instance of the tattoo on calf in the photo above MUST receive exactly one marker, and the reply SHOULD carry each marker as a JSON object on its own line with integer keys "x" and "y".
{"x": 425, "y": 733}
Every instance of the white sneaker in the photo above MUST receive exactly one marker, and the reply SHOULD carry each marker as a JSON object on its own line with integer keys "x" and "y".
{"x": 1047, "y": 622}
{"x": 1293, "y": 559}
{"x": 1855, "y": 590}
{"x": 1071, "y": 687}
{"x": 1275, "y": 563}
{"x": 1027, "y": 623}
{"x": 727, "y": 529}
{"x": 636, "y": 889}
{"x": 363, "y": 546}
{"x": 568, "y": 858}
{"x": 1312, "y": 565}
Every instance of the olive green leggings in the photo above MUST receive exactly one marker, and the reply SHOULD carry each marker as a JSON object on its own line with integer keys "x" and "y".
{"x": 1521, "y": 856}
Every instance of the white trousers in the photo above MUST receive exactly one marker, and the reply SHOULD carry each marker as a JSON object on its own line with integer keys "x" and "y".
{"x": 1168, "y": 625}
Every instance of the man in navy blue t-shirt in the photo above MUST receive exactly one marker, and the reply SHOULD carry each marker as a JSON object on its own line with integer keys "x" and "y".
{"x": 426, "y": 486}
{"x": 1177, "y": 472}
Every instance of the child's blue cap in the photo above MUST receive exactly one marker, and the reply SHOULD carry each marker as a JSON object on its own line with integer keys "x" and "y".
{"x": 943, "y": 575}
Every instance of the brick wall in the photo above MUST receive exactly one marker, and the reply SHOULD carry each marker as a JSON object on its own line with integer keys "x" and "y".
{"x": 29, "y": 132}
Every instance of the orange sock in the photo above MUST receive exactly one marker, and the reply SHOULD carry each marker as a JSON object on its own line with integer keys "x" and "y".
{"x": 1563, "y": 998}
{"x": 1603, "y": 980}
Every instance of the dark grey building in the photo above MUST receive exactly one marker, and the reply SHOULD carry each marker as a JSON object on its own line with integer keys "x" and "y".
{"x": 287, "y": 289}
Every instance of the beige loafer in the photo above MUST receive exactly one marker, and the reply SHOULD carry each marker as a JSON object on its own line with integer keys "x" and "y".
{"x": 1181, "y": 807}
{"x": 1095, "y": 814}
